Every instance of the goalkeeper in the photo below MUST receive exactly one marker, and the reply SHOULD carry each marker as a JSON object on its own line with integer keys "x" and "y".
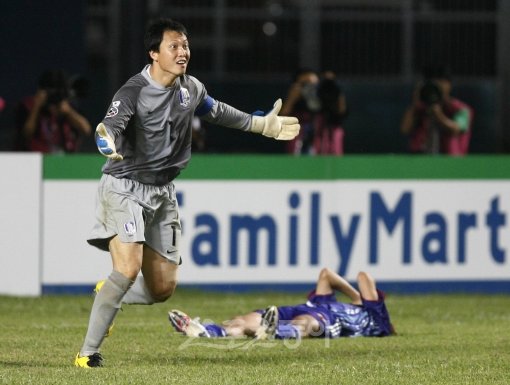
{"x": 321, "y": 316}
{"x": 146, "y": 136}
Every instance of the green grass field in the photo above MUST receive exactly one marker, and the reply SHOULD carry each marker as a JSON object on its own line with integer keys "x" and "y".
{"x": 443, "y": 339}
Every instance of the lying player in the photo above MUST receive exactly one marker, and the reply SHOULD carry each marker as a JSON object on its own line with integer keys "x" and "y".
{"x": 321, "y": 316}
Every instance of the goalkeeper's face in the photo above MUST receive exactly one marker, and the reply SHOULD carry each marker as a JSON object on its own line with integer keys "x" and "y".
{"x": 174, "y": 54}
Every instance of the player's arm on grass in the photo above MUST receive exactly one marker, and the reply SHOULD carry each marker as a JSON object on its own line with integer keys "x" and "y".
{"x": 270, "y": 125}
{"x": 330, "y": 281}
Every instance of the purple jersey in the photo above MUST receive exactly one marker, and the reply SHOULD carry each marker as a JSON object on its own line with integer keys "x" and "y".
{"x": 371, "y": 319}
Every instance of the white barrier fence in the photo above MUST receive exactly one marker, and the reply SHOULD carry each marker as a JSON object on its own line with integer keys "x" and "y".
{"x": 244, "y": 232}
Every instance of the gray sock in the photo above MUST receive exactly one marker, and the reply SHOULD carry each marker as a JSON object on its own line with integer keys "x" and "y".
{"x": 138, "y": 294}
{"x": 105, "y": 307}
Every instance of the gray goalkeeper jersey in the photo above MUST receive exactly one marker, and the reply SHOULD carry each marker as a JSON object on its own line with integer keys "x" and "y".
{"x": 152, "y": 126}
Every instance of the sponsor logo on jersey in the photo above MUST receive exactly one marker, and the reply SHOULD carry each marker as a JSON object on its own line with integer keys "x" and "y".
{"x": 130, "y": 228}
{"x": 114, "y": 110}
{"x": 184, "y": 97}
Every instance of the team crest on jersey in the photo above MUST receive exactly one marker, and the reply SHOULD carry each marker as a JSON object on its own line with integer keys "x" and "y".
{"x": 184, "y": 97}
{"x": 114, "y": 110}
{"x": 130, "y": 228}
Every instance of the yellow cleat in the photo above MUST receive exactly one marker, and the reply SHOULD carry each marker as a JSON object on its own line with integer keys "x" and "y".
{"x": 98, "y": 287}
{"x": 93, "y": 361}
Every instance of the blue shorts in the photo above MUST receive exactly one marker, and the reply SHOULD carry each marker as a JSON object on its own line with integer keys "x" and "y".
{"x": 318, "y": 299}
{"x": 326, "y": 310}
{"x": 379, "y": 313}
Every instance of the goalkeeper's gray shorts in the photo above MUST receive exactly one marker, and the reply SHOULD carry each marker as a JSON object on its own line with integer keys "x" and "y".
{"x": 137, "y": 212}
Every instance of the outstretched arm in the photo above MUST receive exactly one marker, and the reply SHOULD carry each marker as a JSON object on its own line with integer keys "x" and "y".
{"x": 274, "y": 126}
{"x": 330, "y": 281}
{"x": 271, "y": 125}
{"x": 105, "y": 143}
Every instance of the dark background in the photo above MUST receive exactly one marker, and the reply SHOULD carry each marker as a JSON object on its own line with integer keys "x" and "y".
{"x": 257, "y": 69}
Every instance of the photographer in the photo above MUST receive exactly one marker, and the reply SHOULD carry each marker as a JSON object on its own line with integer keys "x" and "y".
{"x": 329, "y": 131}
{"x": 303, "y": 102}
{"x": 47, "y": 121}
{"x": 436, "y": 122}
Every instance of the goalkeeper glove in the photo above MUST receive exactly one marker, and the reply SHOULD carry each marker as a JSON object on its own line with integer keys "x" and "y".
{"x": 274, "y": 126}
{"x": 105, "y": 143}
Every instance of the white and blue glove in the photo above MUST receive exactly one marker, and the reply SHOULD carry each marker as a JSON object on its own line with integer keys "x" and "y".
{"x": 274, "y": 126}
{"x": 105, "y": 143}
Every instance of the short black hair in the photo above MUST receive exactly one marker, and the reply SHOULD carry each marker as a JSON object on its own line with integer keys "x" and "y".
{"x": 154, "y": 34}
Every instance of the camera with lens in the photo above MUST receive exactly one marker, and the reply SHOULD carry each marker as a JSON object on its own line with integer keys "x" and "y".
{"x": 56, "y": 95}
{"x": 56, "y": 85}
{"x": 430, "y": 93}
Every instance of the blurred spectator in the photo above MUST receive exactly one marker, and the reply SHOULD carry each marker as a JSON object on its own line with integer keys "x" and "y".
{"x": 303, "y": 102}
{"x": 436, "y": 122}
{"x": 329, "y": 133}
{"x": 49, "y": 121}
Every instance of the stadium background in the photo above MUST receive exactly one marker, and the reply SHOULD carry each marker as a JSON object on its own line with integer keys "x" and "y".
{"x": 246, "y": 51}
